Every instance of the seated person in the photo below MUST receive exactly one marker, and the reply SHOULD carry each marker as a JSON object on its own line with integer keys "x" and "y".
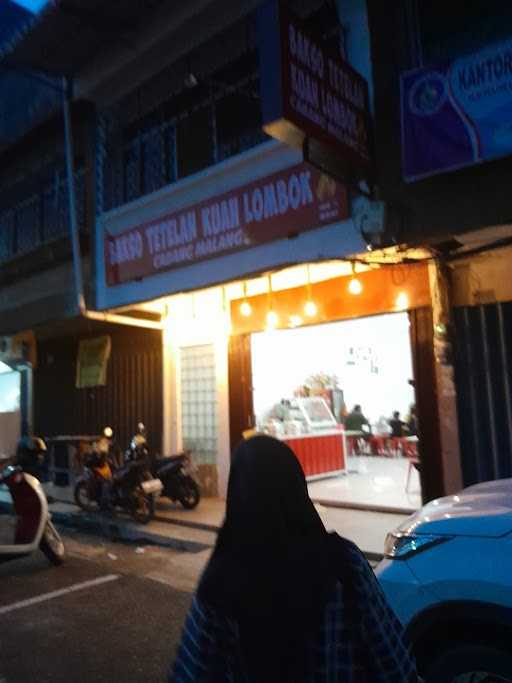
{"x": 382, "y": 427}
{"x": 397, "y": 425}
{"x": 355, "y": 421}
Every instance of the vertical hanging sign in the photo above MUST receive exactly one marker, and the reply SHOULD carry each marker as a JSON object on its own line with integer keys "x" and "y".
{"x": 309, "y": 94}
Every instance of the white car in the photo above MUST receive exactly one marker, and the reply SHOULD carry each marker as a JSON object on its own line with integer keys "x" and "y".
{"x": 447, "y": 573}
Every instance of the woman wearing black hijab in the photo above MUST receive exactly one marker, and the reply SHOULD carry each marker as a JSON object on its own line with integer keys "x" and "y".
{"x": 281, "y": 600}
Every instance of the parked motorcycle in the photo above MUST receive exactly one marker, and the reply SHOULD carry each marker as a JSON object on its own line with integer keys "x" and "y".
{"x": 34, "y": 528}
{"x": 176, "y": 472}
{"x": 102, "y": 485}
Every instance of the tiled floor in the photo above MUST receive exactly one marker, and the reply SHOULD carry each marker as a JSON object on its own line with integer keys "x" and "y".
{"x": 374, "y": 481}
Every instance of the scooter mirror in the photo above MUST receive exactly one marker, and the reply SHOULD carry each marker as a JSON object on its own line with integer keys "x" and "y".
{"x": 108, "y": 432}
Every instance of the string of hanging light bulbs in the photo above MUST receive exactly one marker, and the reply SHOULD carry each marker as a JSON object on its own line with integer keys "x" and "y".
{"x": 354, "y": 287}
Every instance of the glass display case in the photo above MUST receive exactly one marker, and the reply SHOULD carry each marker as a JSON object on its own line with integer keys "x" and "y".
{"x": 316, "y": 413}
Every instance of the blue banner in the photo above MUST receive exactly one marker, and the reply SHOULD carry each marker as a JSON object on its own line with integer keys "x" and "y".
{"x": 457, "y": 114}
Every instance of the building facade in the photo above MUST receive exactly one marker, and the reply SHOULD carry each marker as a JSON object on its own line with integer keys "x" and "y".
{"x": 442, "y": 102}
{"x": 176, "y": 160}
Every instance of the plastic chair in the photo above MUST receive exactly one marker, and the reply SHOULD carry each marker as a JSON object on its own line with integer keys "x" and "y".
{"x": 411, "y": 453}
{"x": 353, "y": 445}
{"x": 378, "y": 444}
{"x": 396, "y": 445}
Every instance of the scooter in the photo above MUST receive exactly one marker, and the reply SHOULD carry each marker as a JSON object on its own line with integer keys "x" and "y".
{"x": 176, "y": 472}
{"x": 34, "y": 529}
{"x": 30, "y": 455}
{"x": 105, "y": 486}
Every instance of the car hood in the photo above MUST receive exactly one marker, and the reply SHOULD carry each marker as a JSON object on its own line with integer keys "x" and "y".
{"x": 480, "y": 510}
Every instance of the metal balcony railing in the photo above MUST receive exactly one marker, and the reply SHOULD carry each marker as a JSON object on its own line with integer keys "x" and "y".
{"x": 41, "y": 218}
{"x": 137, "y": 158}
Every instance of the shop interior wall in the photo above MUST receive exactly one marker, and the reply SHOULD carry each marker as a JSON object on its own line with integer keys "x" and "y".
{"x": 445, "y": 204}
{"x": 370, "y": 358}
{"x": 133, "y": 391}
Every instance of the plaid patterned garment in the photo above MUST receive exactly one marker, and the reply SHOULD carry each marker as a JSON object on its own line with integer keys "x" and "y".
{"x": 209, "y": 651}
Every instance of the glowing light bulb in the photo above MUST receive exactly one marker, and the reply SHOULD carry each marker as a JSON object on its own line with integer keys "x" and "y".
{"x": 295, "y": 320}
{"x": 245, "y": 309}
{"x": 310, "y": 309}
{"x": 355, "y": 287}
{"x": 402, "y": 301}
{"x": 272, "y": 320}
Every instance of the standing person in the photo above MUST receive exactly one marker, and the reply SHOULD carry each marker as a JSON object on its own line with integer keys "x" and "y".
{"x": 397, "y": 426}
{"x": 412, "y": 422}
{"x": 281, "y": 600}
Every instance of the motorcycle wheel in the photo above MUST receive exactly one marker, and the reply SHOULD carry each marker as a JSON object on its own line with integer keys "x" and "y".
{"x": 51, "y": 544}
{"x": 190, "y": 495}
{"x": 144, "y": 509}
{"x": 82, "y": 498}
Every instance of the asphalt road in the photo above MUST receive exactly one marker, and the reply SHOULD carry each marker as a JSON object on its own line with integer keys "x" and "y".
{"x": 110, "y": 613}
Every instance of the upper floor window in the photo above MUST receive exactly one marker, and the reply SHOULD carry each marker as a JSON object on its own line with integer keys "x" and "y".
{"x": 36, "y": 212}
{"x": 176, "y": 125}
{"x": 213, "y": 119}
{"x": 452, "y": 29}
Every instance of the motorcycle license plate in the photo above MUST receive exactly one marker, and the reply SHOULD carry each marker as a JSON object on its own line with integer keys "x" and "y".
{"x": 153, "y": 486}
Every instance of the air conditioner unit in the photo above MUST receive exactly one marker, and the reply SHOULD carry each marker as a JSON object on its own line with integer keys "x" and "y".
{"x": 7, "y": 345}
{"x": 20, "y": 347}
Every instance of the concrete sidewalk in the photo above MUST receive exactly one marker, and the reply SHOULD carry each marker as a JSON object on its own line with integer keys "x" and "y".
{"x": 195, "y": 530}
{"x": 365, "y": 528}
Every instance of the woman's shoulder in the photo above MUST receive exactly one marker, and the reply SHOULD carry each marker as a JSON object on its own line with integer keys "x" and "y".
{"x": 349, "y": 562}
{"x": 345, "y": 550}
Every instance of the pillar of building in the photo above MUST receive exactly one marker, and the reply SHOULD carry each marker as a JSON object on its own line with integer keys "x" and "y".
{"x": 445, "y": 377}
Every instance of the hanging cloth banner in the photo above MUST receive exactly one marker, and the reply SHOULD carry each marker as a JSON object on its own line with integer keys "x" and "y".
{"x": 91, "y": 367}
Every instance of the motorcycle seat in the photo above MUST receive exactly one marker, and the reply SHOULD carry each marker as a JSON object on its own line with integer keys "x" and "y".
{"x": 120, "y": 473}
{"x": 168, "y": 459}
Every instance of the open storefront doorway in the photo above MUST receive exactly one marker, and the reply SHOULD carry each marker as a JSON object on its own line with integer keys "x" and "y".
{"x": 365, "y": 362}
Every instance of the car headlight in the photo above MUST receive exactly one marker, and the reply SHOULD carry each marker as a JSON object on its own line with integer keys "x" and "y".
{"x": 400, "y": 546}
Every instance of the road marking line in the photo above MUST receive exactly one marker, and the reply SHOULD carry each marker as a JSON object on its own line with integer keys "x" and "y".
{"x": 56, "y": 594}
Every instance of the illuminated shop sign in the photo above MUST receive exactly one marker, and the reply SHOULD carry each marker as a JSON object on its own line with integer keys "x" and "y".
{"x": 284, "y": 204}
{"x": 309, "y": 93}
